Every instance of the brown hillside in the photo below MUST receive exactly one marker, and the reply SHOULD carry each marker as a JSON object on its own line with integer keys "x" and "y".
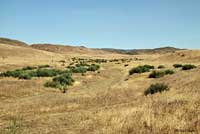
{"x": 182, "y": 56}
{"x": 66, "y": 49}
{"x": 18, "y": 55}
{"x": 12, "y": 42}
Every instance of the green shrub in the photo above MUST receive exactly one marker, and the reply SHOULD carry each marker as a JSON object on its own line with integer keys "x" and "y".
{"x": 47, "y": 72}
{"x": 25, "y": 76}
{"x": 51, "y": 84}
{"x": 14, "y": 73}
{"x": 80, "y": 69}
{"x": 93, "y": 67}
{"x": 141, "y": 69}
{"x": 168, "y": 71}
{"x": 61, "y": 82}
{"x": 33, "y": 73}
{"x": 156, "y": 74}
{"x": 149, "y": 66}
{"x": 161, "y": 66}
{"x": 154, "y": 88}
{"x": 177, "y": 65}
{"x": 188, "y": 67}
{"x": 64, "y": 79}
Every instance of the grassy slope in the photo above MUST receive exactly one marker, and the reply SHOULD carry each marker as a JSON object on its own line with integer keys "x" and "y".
{"x": 101, "y": 103}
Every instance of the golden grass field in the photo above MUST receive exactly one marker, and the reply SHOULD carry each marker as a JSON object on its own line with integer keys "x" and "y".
{"x": 100, "y": 103}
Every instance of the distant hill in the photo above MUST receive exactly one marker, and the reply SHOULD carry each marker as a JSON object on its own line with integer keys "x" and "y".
{"x": 12, "y": 42}
{"x": 57, "y": 48}
{"x": 161, "y": 50}
{"x": 64, "y": 49}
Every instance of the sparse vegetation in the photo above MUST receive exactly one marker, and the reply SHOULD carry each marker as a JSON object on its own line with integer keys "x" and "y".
{"x": 141, "y": 69}
{"x": 155, "y": 88}
{"x": 85, "y": 99}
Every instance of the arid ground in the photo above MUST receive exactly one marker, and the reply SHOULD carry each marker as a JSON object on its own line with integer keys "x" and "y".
{"x": 108, "y": 102}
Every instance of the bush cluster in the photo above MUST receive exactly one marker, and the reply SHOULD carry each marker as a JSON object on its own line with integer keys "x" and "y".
{"x": 83, "y": 68}
{"x": 141, "y": 69}
{"x": 93, "y": 67}
{"x": 158, "y": 74}
{"x": 188, "y": 67}
{"x": 155, "y": 88}
{"x": 61, "y": 82}
{"x": 28, "y": 74}
{"x": 184, "y": 67}
{"x": 80, "y": 69}
{"x": 47, "y": 72}
{"x": 168, "y": 71}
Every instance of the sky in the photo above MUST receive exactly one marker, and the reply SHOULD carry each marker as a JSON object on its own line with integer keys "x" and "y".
{"x": 125, "y": 24}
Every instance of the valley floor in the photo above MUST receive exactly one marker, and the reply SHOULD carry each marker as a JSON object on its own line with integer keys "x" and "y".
{"x": 109, "y": 102}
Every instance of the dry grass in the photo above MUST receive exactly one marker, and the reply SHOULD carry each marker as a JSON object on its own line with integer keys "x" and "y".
{"x": 103, "y": 103}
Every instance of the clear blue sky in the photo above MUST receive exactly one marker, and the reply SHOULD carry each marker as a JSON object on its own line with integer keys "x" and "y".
{"x": 103, "y": 23}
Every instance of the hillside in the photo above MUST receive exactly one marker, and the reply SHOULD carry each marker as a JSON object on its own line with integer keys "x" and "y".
{"x": 12, "y": 42}
{"x": 64, "y": 49}
{"x": 18, "y": 55}
{"x": 161, "y": 50}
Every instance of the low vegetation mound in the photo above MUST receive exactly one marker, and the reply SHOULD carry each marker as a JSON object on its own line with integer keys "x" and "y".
{"x": 184, "y": 67}
{"x": 80, "y": 69}
{"x": 61, "y": 82}
{"x": 155, "y": 88}
{"x": 158, "y": 74}
{"x": 29, "y": 72}
{"x": 93, "y": 67}
{"x": 188, "y": 67}
{"x": 141, "y": 69}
